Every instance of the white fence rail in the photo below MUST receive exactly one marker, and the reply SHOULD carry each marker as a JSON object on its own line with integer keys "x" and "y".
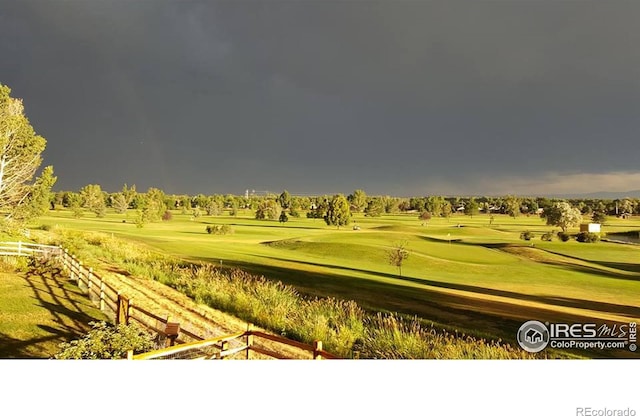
{"x": 19, "y": 248}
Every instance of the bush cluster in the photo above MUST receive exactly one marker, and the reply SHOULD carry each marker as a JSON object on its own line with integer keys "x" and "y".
{"x": 564, "y": 237}
{"x": 547, "y": 237}
{"x": 586, "y": 237}
{"x": 526, "y": 235}
{"x": 106, "y": 341}
{"x": 223, "y": 229}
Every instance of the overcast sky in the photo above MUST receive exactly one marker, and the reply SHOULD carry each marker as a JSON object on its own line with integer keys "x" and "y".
{"x": 393, "y": 97}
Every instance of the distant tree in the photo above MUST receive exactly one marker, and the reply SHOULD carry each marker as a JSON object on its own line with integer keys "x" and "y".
{"x": 185, "y": 204}
{"x": 93, "y": 199}
{"x": 283, "y": 217}
{"x": 234, "y": 208}
{"x": 471, "y": 208}
{"x": 319, "y": 208}
{"x": 304, "y": 202}
{"x": 397, "y": 255}
{"x": 375, "y": 207}
{"x": 512, "y": 206}
{"x": 75, "y": 204}
{"x": 284, "y": 199}
{"x": 446, "y": 209}
{"x": 358, "y": 200}
{"x": 404, "y": 205}
{"x": 434, "y": 204}
{"x": 391, "y": 204}
{"x": 268, "y": 209}
{"x": 211, "y": 206}
{"x": 563, "y": 215}
{"x": 417, "y": 203}
{"x": 294, "y": 207}
{"x": 338, "y": 212}
{"x": 130, "y": 195}
{"x": 425, "y": 216}
{"x": 625, "y": 206}
{"x": 119, "y": 203}
{"x": 151, "y": 206}
{"x": 599, "y": 217}
{"x": 58, "y": 198}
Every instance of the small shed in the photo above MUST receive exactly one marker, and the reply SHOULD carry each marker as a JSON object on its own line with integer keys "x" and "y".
{"x": 590, "y": 228}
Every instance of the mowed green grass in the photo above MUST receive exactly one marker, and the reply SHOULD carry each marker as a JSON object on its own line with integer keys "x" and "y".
{"x": 461, "y": 272}
{"x": 40, "y": 311}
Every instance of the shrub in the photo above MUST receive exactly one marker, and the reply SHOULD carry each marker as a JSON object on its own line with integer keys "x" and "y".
{"x": 10, "y": 264}
{"x": 546, "y": 237}
{"x": 586, "y": 237}
{"x": 219, "y": 229}
{"x": 106, "y": 341}
{"x": 167, "y": 216}
{"x": 564, "y": 237}
{"x": 526, "y": 235}
{"x": 424, "y": 216}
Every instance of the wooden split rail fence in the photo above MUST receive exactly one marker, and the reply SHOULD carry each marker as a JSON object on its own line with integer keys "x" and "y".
{"x": 120, "y": 309}
{"x": 221, "y": 347}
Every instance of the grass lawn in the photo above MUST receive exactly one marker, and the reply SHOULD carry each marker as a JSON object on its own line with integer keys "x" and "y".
{"x": 461, "y": 272}
{"x": 38, "y": 312}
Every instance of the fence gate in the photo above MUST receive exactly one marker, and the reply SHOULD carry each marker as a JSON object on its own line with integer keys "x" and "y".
{"x": 122, "y": 316}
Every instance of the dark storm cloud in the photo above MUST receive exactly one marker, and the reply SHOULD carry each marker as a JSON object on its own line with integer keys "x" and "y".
{"x": 393, "y": 97}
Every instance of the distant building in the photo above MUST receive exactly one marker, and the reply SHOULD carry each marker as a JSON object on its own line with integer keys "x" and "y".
{"x": 590, "y": 228}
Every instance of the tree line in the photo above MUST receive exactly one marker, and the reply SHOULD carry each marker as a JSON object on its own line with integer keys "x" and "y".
{"x": 155, "y": 205}
{"x": 24, "y": 196}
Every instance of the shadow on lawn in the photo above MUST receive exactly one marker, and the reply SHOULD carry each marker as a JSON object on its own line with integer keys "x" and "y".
{"x": 625, "y": 310}
{"x": 477, "y": 316}
{"x": 623, "y": 267}
{"x": 67, "y": 317}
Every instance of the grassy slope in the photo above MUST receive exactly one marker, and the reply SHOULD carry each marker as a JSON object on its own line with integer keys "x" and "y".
{"x": 463, "y": 276}
{"x": 38, "y": 312}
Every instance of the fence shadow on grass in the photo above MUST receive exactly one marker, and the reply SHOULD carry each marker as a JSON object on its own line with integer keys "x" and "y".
{"x": 68, "y": 313}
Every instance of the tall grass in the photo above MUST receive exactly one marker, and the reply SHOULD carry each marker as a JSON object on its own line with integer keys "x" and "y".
{"x": 344, "y": 327}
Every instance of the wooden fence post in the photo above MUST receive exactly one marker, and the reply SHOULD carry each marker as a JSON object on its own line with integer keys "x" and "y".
{"x": 19, "y": 248}
{"x": 65, "y": 261}
{"x": 129, "y": 306}
{"x": 101, "y": 294}
{"x": 118, "y": 308}
{"x": 89, "y": 283}
{"x": 172, "y": 331}
{"x": 72, "y": 268}
{"x": 317, "y": 348}
{"x": 80, "y": 274}
{"x": 223, "y": 347}
{"x": 249, "y": 340}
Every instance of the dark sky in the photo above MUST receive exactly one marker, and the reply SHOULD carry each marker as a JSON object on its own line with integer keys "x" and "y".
{"x": 394, "y": 97}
